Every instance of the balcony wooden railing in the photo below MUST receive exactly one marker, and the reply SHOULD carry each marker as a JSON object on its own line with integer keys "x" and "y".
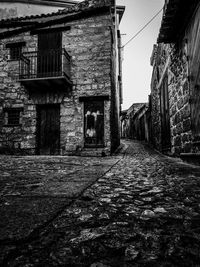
{"x": 44, "y": 64}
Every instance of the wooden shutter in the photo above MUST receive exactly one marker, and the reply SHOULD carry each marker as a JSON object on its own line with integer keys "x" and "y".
{"x": 48, "y": 128}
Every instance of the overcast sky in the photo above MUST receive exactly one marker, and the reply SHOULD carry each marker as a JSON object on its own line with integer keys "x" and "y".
{"x": 136, "y": 65}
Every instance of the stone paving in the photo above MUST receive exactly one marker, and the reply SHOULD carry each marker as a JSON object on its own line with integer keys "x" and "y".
{"x": 144, "y": 211}
{"x": 34, "y": 190}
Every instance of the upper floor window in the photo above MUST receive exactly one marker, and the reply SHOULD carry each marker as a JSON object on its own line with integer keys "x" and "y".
{"x": 12, "y": 116}
{"x": 15, "y": 50}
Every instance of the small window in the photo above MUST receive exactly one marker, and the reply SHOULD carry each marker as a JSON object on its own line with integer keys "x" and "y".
{"x": 12, "y": 116}
{"x": 15, "y": 50}
{"x": 15, "y": 53}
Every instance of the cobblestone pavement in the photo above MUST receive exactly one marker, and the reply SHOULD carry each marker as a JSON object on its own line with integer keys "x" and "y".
{"x": 144, "y": 211}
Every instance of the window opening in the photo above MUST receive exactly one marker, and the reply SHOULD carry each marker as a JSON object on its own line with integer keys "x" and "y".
{"x": 15, "y": 50}
{"x": 94, "y": 123}
{"x": 12, "y": 116}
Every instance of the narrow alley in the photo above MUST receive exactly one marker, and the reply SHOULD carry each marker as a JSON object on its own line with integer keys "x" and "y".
{"x": 136, "y": 208}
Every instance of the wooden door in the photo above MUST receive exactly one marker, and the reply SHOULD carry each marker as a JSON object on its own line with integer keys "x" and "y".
{"x": 48, "y": 129}
{"x": 49, "y": 54}
{"x": 165, "y": 117}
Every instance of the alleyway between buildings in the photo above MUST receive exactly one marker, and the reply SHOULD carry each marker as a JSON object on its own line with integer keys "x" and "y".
{"x": 136, "y": 208}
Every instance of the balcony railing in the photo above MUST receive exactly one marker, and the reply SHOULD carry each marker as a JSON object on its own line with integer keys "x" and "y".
{"x": 44, "y": 64}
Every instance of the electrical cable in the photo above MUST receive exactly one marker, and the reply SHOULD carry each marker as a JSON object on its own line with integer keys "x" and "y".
{"x": 143, "y": 27}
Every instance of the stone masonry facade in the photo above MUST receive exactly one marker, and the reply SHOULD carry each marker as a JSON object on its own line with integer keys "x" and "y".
{"x": 92, "y": 44}
{"x": 13, "y": 94}
{"x": 169, "y": 63}
{"x": 179, "y": 102}
{"x": 174, "y": 62}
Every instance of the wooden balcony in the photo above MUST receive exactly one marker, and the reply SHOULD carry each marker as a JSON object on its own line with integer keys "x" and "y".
{"x": 45, "y": 70}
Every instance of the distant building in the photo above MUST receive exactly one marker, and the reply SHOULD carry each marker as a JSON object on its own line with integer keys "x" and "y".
{"x": 134, "y": 122}
{"x": 60, "y": 80}
{"x": 124, "y": 124}
{"x": 140, "y": 124}
{"x": 175, "y": 85}
{"x": 21, "y": 8}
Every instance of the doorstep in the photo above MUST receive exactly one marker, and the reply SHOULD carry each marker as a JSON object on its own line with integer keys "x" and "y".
{"x": 191, "y": 157}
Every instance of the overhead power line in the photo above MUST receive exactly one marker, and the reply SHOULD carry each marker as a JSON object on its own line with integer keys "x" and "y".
{"x": 143, "y": 27}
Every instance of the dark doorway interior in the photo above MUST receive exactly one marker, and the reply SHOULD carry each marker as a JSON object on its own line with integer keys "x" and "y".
{"x": 49, "y": 54}
{"x": 48, "y": 129}
{"x": 165, "y": 117}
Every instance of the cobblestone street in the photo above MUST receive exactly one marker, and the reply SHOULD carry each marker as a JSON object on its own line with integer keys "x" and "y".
{"x": 136, "y": 208}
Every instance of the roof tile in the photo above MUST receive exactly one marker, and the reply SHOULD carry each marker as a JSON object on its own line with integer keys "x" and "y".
{"x": 80, "y": 6}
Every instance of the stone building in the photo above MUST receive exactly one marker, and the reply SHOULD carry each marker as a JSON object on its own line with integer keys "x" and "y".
{"x": 21, "y": 8}
{"x": 130, "y": 128}
{"x": 175, "y": 94}
{"x": 140, "y": 123}
{"x": 124, "y": 124}
{"x": 60, "y": 83}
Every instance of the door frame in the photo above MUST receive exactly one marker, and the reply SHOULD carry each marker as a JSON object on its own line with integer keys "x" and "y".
{"x": 38, "y": 124}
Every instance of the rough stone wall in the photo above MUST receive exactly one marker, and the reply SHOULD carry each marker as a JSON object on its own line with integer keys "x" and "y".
{"x": 183, "y": 88}
{"x": 172, "y": 61}
{"x": 179, "y": 96}
{"x": 13, "y": 94}
{"x": 155, "y": 112}
{"x": 158, "y": 68}
{"x": 89, "y": 43}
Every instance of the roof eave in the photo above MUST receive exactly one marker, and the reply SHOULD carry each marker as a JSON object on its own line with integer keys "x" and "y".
{"x": 66, "y": 18}
{"x": 120, "y": 10}
{"x": 176, "y": 15}
{"x": 58, "y": 3}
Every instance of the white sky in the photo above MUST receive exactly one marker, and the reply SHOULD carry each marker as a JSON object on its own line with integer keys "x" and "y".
{"x": 136, "y": 65}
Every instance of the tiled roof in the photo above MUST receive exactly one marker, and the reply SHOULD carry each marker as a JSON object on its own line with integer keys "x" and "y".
{"x": 58, "y": 3}
{"x": 80, "y": 6}
{"x": 18, "y": 25}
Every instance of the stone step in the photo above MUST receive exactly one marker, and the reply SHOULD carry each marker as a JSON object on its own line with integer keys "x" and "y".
{"x": 94, "y": 152}
{"x": 191, "y": 157}
{"x": 89, "y": 152}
